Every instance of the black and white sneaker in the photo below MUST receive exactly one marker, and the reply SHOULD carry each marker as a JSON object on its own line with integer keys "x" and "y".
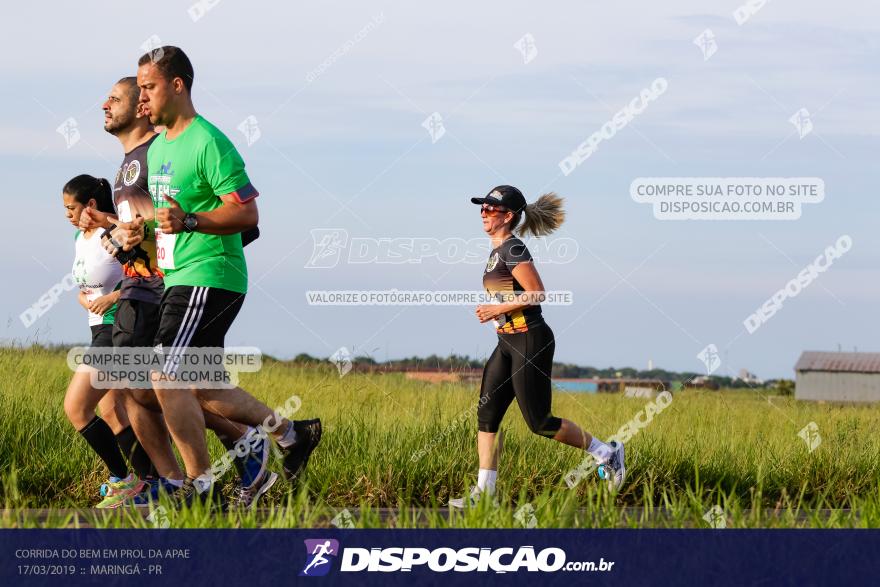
{"x": 186, "y": 495}
{"x": 296, "y": 457}
{"x": 246, "y": 497}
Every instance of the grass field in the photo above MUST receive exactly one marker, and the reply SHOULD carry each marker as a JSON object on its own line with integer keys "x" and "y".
{"x": 734, "y": 450}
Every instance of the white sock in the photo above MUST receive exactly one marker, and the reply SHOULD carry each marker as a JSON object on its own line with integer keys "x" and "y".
{"x": 203, "y": 483}
{"x": 288, "y": 438}
{"x": 175, "y": 482}
{"x": 599, "y": 449}
{"x": 486, "y": 480}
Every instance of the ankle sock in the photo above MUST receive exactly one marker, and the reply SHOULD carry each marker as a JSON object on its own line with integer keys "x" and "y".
{"x": 486, "y": 480}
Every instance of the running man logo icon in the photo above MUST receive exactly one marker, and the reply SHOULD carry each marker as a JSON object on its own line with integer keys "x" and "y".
{"x": 525, "y": 516}
{"x": 343, "y": 519}
{"x": 707, "y": 44}
{"x": 342, "y": 359}
{"x": 526, "y": 46}
{"x": 153, "y": 46}
{"x": 715, "y": 517}
{"x": 70, "y": 131}
{"x": 250, "y": 128}
{"x": 810, "y": 435}
{"x": 710, "y": 358}
{"x": 317, "y": 561}
{"x": 328, "y": 245}
{"x": 434, "y": 125}
{"x": 802, "y": 122}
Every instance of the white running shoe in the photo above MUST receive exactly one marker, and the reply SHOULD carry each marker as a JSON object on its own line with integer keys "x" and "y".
{"x": 614, "y": 469}
{"x": 471, "y": 500}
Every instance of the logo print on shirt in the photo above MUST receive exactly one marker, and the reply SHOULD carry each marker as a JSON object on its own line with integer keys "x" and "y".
{"x": 166, "y": 169}
{"x": 79, "y": 271}
{"x": 493, "y": 262}
{"x": 160, "y": 186}
{"x": 132, "y": 172}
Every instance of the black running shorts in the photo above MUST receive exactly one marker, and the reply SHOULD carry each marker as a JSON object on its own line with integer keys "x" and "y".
{"x": 196, "y": 316}
{"x": 102, "y": 335}
{"x": 136, "y": 323}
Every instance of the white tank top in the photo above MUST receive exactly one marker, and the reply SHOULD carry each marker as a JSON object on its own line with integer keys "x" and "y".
{"x": 96, "y": 272}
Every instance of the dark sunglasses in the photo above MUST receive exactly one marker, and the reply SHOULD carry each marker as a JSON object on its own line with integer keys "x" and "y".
{"x": 491, "y": 210}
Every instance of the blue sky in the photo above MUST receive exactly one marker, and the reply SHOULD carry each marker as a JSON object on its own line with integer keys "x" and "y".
{"x": 355, "y": 134}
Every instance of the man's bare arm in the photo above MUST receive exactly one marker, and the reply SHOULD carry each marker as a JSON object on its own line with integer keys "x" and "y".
{"x": 232, "y": 217}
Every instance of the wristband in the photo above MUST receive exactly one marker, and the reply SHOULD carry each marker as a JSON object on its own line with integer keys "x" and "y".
{"x": 122, "y": 256}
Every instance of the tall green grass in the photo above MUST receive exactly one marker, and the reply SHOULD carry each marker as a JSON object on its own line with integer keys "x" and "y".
{"x": 736, "y": 450}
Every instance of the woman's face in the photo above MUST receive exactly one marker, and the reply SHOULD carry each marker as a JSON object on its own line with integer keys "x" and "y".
{"x": 494, "y": 219}
{"x": 73, "y": 209}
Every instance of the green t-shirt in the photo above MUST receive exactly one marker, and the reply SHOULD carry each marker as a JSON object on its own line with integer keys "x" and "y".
{"x": 195, "y": 168}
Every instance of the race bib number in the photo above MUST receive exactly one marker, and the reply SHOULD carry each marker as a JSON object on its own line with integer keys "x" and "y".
{"x": 124, "y": 210}
{"x": 165, "y": 249}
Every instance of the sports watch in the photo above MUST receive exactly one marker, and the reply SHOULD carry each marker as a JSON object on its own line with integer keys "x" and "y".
{"x": 190, "y": 222}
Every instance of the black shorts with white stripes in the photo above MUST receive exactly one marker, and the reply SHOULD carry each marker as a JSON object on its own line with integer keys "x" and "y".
{"x": 196, "y": 316}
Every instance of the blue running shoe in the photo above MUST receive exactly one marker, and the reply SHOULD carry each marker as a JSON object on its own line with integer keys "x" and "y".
{"x": 253, "y": 465}
{"x": 152, "y": 490}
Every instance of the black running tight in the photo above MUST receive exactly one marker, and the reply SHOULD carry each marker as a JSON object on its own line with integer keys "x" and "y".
{"x": 520, "y": 367}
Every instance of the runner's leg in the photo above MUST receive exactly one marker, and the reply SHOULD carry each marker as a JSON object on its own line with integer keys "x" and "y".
{"x": 79, "y": 405}
{"x": 149, "y": 427}
{"x": 532, "y": 361}
{"x": 496, "y": 394}
{"x": 111, "y": 408}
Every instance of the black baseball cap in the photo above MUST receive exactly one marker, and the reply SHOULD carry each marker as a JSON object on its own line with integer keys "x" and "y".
{"x": 504, "y": 195}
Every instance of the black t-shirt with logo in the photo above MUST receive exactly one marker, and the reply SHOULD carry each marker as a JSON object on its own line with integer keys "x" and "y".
{"x": 500, "y": 284}
{"x": 143, "y": 278}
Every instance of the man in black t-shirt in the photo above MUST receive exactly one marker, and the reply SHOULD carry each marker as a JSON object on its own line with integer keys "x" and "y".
{"x": 143, "y": 278}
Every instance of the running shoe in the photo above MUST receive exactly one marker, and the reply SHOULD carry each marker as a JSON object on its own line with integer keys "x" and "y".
{"x": 152, "y": 489}
{"x": 252, "y": 467}
{"x": 105, "y": 487}
{"x": 119, "y": 492}
{"x": 296, "y": 457}
{"x": 472, "y": 499}
{"x": 187, "y": 495}
{"x": 246, "y": 497}
{"x": 614, "y": 470}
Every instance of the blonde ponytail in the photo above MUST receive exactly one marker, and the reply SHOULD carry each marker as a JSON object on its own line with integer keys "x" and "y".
{"x": 543, "y": 216}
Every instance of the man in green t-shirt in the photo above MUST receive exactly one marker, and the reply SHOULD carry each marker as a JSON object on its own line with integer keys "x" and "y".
{"x": 204, "y": 200}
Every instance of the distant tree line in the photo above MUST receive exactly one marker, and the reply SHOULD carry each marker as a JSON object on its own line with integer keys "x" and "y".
{"x": 560, "y": 370}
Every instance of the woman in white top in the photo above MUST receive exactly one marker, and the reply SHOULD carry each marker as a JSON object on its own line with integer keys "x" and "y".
{"x": 98, "y": 275}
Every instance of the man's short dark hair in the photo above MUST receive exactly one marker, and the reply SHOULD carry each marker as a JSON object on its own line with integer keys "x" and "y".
{"x": 130, "y": 85}
{"x": 172, "y": 62}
